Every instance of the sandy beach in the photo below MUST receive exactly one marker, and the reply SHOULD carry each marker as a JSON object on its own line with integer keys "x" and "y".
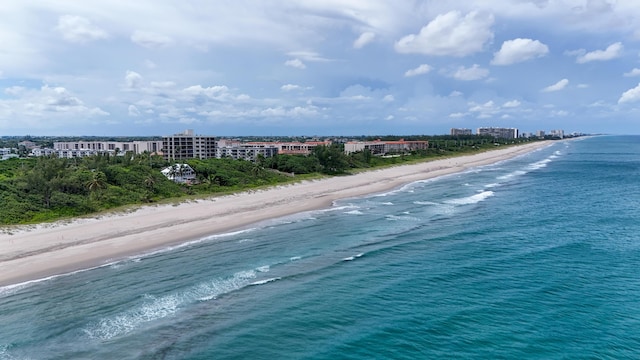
{"x": 38, "y": 251}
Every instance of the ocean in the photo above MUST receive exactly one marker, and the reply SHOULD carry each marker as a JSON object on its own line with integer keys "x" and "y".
{"x": 537, "y": 257}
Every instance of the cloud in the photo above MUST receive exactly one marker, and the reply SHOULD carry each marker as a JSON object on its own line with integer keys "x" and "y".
{"x": 133, "y": 111}
{"x": 311, "y": 56}
{"x": 420, "y": 70}
{"x": 48, "y": 102}
{"x": 557, "y": 86}
{"x": 457, "y": 115}
{"x": 15, "y": 90}
{"x": 631, "y": 95}
{"x": 79, "y": 29}
{"x": 132, "y": 80}
{"x": 364, "y": 39}
{"x": 295, "y": 63}
{"x": 162, "y": 84}
{"x": 511, "y": 104}
{"x": 484, "y": 111}
{"x": 388, "y": 98}
{"x": 611, "y": 52}
{"x": 475, "y": 72}
{"x": 519, "y": 50}
{"x": 450, "y": 34}
{"x": 633, "y": 72}
{"x": 289, "y": 87}
{"x": 455, "y": 93}
{"x": 217, "y": 92}
{"x": 150, "y": 39}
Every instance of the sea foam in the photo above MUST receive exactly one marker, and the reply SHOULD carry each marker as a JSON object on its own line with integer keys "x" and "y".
{"x": 473, "y": 199}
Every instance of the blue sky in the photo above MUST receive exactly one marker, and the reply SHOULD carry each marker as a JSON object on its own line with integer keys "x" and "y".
{"x": 318, "y": 67}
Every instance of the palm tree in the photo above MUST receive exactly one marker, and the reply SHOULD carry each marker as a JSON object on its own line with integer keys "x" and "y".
{"x": 150, "y": 182}
{"x": 97, "y": 182}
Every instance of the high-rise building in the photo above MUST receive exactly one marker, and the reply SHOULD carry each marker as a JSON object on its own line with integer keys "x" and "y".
{"x": 456, "y": 132}
{"x": 186, "y": 145}
{"x": 499, "y": 133}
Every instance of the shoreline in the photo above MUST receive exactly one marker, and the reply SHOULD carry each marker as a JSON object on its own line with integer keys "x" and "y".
{"x": 33, "y": 252}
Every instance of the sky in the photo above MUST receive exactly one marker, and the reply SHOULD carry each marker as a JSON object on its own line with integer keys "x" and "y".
{"x": 318, "y": 67}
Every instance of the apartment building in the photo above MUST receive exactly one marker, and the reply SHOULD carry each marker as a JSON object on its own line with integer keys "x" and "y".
{"x": 499, "y": 133}
{"x": 137, "y": 147}
{"x": 379, "y": 147}
{"x": 244, "y": 151}
{"x": 186, "y": 145}
{"x": 457, "y": 131}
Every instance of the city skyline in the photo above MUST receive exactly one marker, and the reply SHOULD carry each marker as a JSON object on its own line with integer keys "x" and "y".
{"x": 318, "y": 67}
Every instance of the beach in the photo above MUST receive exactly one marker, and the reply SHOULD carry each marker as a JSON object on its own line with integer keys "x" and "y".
{"x": 40, "y": 251}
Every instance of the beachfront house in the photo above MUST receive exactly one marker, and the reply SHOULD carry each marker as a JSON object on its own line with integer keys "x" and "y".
{"x": 180, "y": 173}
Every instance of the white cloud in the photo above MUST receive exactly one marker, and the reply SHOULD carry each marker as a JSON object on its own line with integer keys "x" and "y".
{"x": 457, "y": 115}
{"x": 15, "y": 90}
{"x": 484, "y": 111}
{"x": 519, "y": 50}
{"x": 631, "y": 95}
{"x": 297, "y": 111}
{"x": 557, "y": 86}
{"x": 474, "y": 72}
{"x": 364, "y": 39}
{"x": 390, "y": 117}
{"x": 215, "y": 92}
{"x": 162, "y": 84}
{"x": 611, "y": 52}
{"x": 33, "y": 105}
{"x": 511, "y": 104}
{"x": 455, "y": 93}
{"x": 420, "y": 70}
{"x": 633, "y": 72}
{"x": 133, "y": 111}
{"x": 132, "y": 80}
{"x": 79, "y": 29}
{"x": 150, "y": 39}
{"x": 388, "y": 98}
{"x": 450, "y": 34}
{"x": 295, "y": 63}
{"x": 311, "y": 56}
{"x": 289, "y": 87}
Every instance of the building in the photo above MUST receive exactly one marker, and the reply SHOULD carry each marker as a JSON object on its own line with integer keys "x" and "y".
{"x": 557, "y": 133}
{"x": 499, "y": 133}
{"x": 244, "y": 151}
{"x": 229, "y": 147}
{"x": 540, "y": 133}
{"x": 456, "y": 132}
{"x": 180, "y": 173}
{"x": 379, "y": 147}
{"x": 137, "y": 147}
{"x": 300, "y": 148}
{"x": 186, "y": 145}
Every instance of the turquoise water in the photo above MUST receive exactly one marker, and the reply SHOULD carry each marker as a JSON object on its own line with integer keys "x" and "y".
{"x": 537, "y": 257}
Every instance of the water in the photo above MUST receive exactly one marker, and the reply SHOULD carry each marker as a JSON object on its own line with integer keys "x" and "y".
{"x": 532, "y": 258}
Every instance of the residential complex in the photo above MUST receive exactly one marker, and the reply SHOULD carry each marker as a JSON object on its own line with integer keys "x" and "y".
{"x": 499, "y": 133}
{"x": 246, "y": 151}
{"x": 186, "y": 145}
{"x": 379, "y": 147}
{"x": 456, "y": 132}
{"x": 137, "y": 147}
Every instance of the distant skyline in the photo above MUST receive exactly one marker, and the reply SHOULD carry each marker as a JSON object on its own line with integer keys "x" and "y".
{"x": 318, "y": 67}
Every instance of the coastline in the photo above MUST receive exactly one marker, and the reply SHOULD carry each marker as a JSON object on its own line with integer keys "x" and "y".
{"x": 34, "y": 252}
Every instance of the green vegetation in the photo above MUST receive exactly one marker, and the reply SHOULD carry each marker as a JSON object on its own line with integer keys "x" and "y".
{"x": 49, "y": 188}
